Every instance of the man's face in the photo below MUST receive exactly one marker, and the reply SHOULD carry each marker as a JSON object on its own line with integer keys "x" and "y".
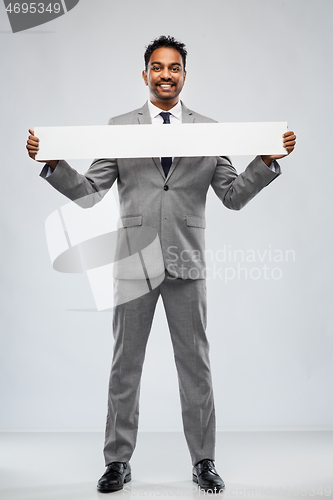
{"x": 165, "y": 75}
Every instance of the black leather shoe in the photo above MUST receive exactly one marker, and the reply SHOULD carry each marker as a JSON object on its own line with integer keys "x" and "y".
{"x": 205, "y": 474}
{"x": 113, "y": 479}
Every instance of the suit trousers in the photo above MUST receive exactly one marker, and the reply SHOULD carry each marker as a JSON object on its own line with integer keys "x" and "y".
{"x": 185, "y": 306}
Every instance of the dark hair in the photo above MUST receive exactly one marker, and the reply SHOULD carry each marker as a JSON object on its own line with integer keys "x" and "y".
{"x": 165, "y": 41}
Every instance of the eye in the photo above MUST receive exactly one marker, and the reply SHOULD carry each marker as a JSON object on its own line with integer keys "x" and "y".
{"x": 155, "y": 68}
{"x": 176, "y": 68}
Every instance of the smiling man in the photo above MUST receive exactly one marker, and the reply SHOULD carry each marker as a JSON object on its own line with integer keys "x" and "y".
{"x": 169, "y": 195}
{"x": 164, "y": 75}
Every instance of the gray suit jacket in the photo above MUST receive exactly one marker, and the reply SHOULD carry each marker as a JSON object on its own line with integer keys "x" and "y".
{"x": 173, "y": 206}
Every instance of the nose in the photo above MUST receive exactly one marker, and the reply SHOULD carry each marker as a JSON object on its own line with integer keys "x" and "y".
{"x": 165, "y": 74}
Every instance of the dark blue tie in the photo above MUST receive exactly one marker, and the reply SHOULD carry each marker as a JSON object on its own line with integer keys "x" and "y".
{"x": 166, "y": 161}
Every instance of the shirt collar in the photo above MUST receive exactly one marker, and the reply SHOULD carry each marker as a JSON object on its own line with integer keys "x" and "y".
{"x": 176, "y": 111}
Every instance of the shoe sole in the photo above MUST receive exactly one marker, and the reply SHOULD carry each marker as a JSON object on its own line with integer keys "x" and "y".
{"x": 206, "y": 488}
{"x": 127, "y": 479}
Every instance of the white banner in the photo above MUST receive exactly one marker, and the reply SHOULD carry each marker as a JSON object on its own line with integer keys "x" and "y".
{"x": 147, "y": 141}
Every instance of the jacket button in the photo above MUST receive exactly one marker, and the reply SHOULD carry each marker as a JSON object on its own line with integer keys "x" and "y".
{"x": 166, "y": 188}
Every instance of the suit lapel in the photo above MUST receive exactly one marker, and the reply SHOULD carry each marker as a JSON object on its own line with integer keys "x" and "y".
{"x": 145, "y": 119}
{"x": 144, "y": 115}
{"x": 187, "y": 117}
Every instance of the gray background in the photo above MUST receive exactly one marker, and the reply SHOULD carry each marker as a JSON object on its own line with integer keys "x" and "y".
{"x": 271, "y": 339}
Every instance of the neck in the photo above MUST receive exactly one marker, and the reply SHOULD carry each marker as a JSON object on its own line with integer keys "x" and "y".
{"x": 165, "y": 105}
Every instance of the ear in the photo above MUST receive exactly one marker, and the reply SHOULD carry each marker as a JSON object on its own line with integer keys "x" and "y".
{"x": 184, "y": 76}
{"x": 144, "y": 76}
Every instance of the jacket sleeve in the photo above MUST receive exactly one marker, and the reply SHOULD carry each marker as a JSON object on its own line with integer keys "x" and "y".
{"x": 85, "y": 189}
{"x": 234, "y": 190}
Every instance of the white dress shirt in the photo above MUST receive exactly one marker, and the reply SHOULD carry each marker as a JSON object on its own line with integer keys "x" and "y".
{"x": 175, "y": 116}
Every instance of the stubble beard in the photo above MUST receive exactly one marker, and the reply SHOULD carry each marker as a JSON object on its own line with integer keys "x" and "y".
{"x": 165, "y": 97}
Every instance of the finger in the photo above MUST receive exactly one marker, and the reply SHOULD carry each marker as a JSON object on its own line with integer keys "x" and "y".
{"x": 32, "y": 149}
{"x": 33, "y": 143}
{"x": 289, "y": 143}
{"x": 31, "y": 154}
{"x": 33, "y": 138}
{"x": 291, "y": 138}
{"x": 31, "y": 131}
{"x": 289, "y": 132}
{"x": 290, "y": 149}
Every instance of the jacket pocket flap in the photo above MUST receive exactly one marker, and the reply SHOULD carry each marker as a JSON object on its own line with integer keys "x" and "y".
{"x": 132, "y": 221}
{"x": 195, "y": 221}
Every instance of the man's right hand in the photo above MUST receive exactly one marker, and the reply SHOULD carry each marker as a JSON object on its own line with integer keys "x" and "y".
{"x": 33, "y": 147}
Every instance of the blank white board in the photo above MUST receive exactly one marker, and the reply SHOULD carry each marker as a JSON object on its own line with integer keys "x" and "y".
{"x": 147, "y": 141}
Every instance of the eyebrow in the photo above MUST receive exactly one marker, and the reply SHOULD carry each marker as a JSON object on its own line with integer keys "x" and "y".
{"x": 172, "y": 64}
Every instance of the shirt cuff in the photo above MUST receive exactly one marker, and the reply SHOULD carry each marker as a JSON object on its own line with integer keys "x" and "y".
{"x": 46, "y": 171}
{"x": 49, "y": 171}
{"x": 272, "y": 166}
{"x": 275, "y": 167}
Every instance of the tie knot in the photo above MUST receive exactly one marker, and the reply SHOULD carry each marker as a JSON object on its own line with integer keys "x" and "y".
{"x": 166, "y": 116}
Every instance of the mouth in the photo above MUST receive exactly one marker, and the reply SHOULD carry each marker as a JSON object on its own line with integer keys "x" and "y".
{"x": 165, "y": 86}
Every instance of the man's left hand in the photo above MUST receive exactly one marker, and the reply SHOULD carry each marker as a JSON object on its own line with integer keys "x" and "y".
{"x": 289, "y": 141}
